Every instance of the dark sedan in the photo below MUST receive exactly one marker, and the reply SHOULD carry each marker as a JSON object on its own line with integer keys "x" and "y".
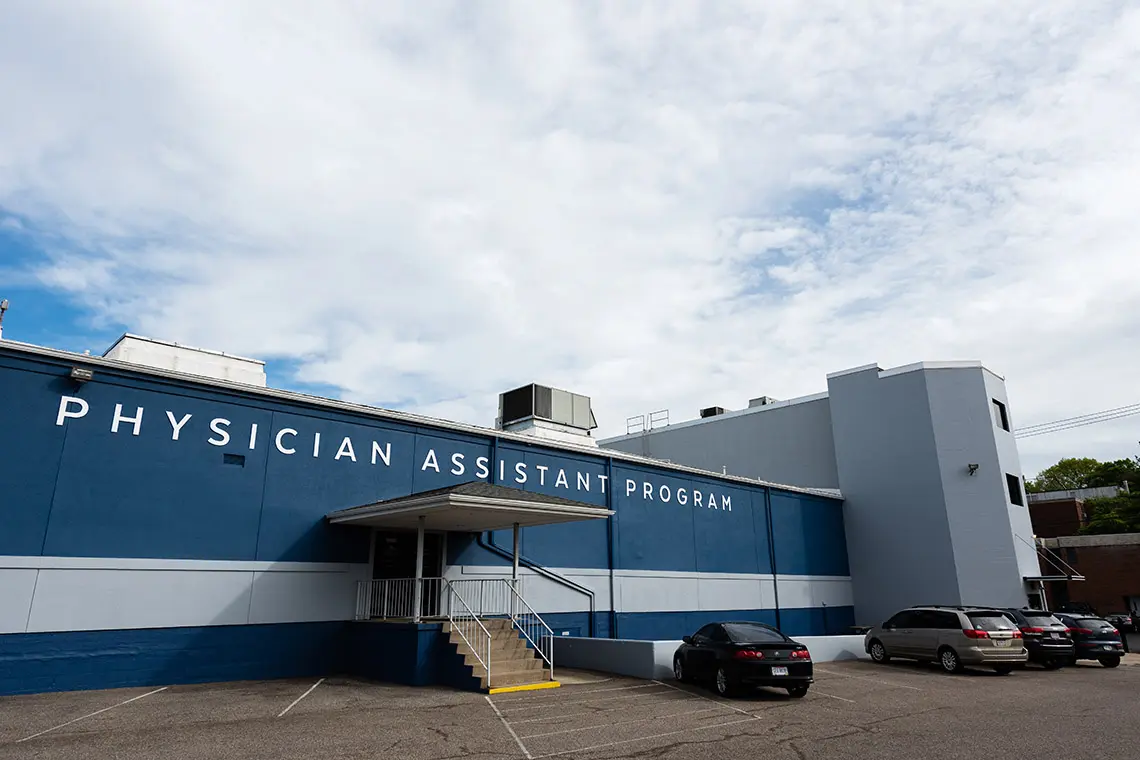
{"x": 1047, "y": 639}
{"x": 1096, "y": 639}
{"x": 735, "y": 655}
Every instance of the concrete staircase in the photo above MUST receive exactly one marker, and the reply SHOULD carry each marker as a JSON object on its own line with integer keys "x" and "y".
{"x": 514, "y": 665}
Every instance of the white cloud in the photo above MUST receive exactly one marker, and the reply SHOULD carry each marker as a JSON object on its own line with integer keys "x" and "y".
{"x": 660, "y": 206}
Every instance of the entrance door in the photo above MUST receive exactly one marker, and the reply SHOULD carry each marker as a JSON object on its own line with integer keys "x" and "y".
{"x": 395, "y": 561}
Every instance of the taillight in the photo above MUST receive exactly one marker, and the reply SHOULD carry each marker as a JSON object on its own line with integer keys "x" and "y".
{"x": 1085, "y": 631}
{"x": 972, "y": 634}
{"x": 1033, "y": 630}
{"x": 801, "y": 654}
{"x": 1017, "y": 634}
{"x": 748, "y": 654}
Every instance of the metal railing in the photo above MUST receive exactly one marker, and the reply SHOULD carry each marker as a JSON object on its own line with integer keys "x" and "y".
{"x": 465, "y": 603}
{"x": 533, "y": 627}
{"x": 465, "y": 621}
{"x": 401, "y": 599}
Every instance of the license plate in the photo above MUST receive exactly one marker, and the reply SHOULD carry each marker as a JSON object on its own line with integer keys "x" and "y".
{"x": 1002, "y": 642}
{"x": 1110, "y": 646}
{"x": 779, "y": 671}
{"x": 1054, "y": 635}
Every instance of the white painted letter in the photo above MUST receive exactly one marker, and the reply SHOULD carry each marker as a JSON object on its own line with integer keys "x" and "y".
{"x": 647, "y": 491}
{"x": 630, "y": 486}
{"x": 520, "y": 468}
{"x": 430, "y": 461}
{"x": 215, "y": 426}
{"x": 384, "y": 453}
{"x": 64, "y": 413}
{"x": 481, "y": 470}
{"x": 562, "y": 481}
{"x": 682, "y": 496}
{"x": 697, "y": 496}
{"x": 252, "y": 436}
{"x": 457, "y": 460}
{"x": 177, "y": 426}
{"x": 726, "y": 503}
{"x": 584, "y": 480}
{"x": 136, "y": 420}
{"x": 664, "y": 493}
{"x": 341, "y": 452}
{"x": 316, "y": 444}
{"x": 281, "y": 434}
{"x": 712, "y": 502}
{"x": 541, "y": 473}
{"x": 502, "y": 470}
{"x": 603, "y": 478}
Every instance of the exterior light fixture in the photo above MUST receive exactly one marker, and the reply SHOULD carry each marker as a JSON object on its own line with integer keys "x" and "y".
{"x": 972, "y": 468}
{"x": 81, "y": 375}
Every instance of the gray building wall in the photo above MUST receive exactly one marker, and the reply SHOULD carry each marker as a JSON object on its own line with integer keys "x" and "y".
{"x": 920, "y": 528}
{"x": 896, "y": 517}
{"x": 789, "y": 442}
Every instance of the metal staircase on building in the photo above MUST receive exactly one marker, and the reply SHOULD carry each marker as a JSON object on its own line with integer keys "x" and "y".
{"x": 500, "y": 641}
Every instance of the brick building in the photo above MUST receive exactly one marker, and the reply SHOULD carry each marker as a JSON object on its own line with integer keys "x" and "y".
{"x": 1110, "y": 565}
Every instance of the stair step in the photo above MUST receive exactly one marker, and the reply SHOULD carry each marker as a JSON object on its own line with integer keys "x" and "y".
{"x": 521, "y": 662}
{"x": 497, "y": 645}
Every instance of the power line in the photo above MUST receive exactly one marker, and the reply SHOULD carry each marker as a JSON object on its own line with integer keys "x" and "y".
{"x": 1071, "y": 423}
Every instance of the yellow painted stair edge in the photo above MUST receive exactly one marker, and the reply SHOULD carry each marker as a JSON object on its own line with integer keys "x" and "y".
{"x": 525, "y": 687}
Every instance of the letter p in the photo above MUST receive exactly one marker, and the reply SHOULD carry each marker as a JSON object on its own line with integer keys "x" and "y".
{"x": 66, "y": 412}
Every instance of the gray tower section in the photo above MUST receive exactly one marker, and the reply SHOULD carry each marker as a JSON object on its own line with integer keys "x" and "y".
{"x": 921, "y": 529}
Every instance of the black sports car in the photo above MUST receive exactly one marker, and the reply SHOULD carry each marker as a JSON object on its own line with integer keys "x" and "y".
{"x": 733, "y": 655}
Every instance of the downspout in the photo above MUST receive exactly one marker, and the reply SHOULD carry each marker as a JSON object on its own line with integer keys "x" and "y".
{"x": 610, "y": 543}
{"x": 772, "y": 553}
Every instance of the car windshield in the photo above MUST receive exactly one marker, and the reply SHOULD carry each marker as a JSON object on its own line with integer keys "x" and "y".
{"x": 744, "y": 633}
{"x": 1042, "y": 620}
{"x": 1094, "y": 624}
{"x": 991, "y": 621}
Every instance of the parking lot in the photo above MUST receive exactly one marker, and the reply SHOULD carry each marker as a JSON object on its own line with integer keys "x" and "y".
{"x": 855, "y": 710}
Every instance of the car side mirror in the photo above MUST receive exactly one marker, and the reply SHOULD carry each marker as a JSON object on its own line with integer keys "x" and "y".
{"x": 687, "y": 639}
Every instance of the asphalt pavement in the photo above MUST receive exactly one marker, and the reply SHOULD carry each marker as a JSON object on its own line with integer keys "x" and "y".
{"x": 855, "y": 710}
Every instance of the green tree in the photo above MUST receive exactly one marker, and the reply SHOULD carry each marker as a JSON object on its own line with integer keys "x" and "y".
{"x": 1120, "y": 514}
{"x": 1117, "y": 474}
{"x": 1067, "y": 475}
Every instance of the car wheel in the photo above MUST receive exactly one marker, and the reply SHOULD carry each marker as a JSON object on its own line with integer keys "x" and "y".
{"x": 679, "y": 670}
{"x": 1110, "y": 662}
{"x": 879, "y": 652}
{"x": 724, "y": 686}
{"x": 798, "y": 692}
{"x": 949, "y": 661}
{"x": 1054, "y": 663}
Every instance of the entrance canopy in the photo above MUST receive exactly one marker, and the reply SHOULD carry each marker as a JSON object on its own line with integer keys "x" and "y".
{"x": 470, "y": 507}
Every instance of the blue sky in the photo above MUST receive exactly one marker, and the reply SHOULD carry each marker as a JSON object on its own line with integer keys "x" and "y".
{"x": 420, "y": 205}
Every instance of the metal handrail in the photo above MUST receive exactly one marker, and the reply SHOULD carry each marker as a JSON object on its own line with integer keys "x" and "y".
{"x": 532, "y": 627}
{"x": 399, "y": 598}
{"x": 459, "y": 624}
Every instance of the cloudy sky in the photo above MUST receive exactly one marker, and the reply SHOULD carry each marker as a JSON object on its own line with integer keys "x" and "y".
{"x": 662, "y": 205}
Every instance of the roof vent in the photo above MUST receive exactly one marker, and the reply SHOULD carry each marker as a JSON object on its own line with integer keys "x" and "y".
{"x": 761, "y": 401}
{"x": 712, "y": 411}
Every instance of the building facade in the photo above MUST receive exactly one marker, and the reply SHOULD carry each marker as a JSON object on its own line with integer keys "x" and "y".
{"x": 163, "y": 527}
{"x": 924, "y": 456}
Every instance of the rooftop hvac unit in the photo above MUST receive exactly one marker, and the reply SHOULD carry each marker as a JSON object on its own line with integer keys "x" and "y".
{"x": 543, "y": 403}
{"x": 712, "y": 411}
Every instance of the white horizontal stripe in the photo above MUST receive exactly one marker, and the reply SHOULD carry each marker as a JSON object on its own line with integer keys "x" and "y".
{"x": 146, "y": 563}
{"x": 42, "y": 594}
{"x": 670, "y": 591}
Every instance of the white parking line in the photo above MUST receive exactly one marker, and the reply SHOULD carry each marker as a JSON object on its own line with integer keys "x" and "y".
{"x": 707, "y": 699}
{"x": 689, "y": 698}
{"x": 865, "y": 678}
{"x": 546, "y": 705}
{"x": 298, "y": 699}
{"x": 105, "y": 709}
{"x": 518, "y": 741}
{"x": 551, "y": 700}
{"x": 647, "y": 738}
{"x": 622, "y": 722}
{"x": 825, "y": 694}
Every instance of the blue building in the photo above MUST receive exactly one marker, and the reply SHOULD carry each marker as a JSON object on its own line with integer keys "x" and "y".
{"x": 160, "y": 527}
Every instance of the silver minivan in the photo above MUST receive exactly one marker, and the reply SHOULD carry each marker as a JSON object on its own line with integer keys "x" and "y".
{"x": 954, "y": 637}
